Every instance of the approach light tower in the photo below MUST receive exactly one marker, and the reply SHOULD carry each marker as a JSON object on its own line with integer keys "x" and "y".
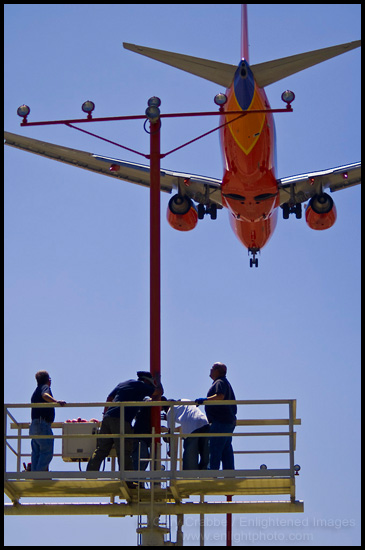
{"x": 168, "y": 491}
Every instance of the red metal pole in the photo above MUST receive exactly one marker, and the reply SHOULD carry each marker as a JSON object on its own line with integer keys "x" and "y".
{"x": 155, "y": 276}
{"x": 229, "y": 524}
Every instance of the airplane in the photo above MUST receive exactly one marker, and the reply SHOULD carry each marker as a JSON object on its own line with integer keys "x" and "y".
{"x": 249, "y": 188}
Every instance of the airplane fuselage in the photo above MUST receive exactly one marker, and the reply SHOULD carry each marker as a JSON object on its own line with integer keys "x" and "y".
{"x": 249, "y": 186}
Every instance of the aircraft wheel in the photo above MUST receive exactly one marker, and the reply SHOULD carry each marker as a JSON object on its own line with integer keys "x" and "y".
{"x": 298, "y": 211}
{"x": 201, "y": 211}
{"x": 213, "y": 211}
{"x": 286, "y": 211}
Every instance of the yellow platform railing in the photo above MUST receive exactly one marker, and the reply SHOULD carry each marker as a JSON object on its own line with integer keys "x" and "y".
{"x": 254, "y": 438}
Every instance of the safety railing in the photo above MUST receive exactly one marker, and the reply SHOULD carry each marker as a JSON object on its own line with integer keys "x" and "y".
{"x": 167, "y": 468}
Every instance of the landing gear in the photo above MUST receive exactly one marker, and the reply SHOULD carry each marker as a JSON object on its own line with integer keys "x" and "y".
{"x": 209, "y": 209}
{"x": 294, "y": 209}
{"x": 254, "y": 261}
{"x": 201, "y": 211}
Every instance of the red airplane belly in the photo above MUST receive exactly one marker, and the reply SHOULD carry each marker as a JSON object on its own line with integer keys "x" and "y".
{"x": 249, "y": 187}
{"x": 248, "y": 142}
{"x": 254, "y": 235}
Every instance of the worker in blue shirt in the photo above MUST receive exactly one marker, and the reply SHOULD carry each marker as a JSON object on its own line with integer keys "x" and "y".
{"x": 131, "y": 390}
{"x": 222, "y": 418}
{"x": 42, "y": 418}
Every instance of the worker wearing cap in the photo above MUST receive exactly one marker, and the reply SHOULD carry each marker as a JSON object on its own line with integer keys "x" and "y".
{"x": 131, "y": 390}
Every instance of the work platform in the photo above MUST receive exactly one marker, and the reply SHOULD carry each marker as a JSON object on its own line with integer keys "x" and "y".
{"x": 164, "y": 488}
{"x": 188, "y": 483}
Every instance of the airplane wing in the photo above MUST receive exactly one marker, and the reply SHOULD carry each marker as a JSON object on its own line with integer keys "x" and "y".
{"x": 296, "y": 189}
{"x": 199, "y": 188}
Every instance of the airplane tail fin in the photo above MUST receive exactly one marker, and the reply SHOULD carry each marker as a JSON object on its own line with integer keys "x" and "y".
{"x": 264, "y": 73}
{"x": 244, "y": 34}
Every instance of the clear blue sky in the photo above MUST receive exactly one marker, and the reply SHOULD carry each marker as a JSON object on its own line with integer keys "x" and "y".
{"x": 77, "y": 243}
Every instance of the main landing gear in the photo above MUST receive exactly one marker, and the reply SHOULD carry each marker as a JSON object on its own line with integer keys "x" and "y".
{"x": 254, "y": 261}
{"x": 293, "y": 209}
{"x": 209, "y": 209}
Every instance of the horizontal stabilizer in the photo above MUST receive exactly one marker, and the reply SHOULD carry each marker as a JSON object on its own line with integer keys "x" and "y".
{"x": 219, "y": 73}
{"x": 264, "y": 73}
{"x": 272, "y": 71}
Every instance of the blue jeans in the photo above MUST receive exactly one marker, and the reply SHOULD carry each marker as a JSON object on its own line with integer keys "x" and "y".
{"x": 220, "y": 448}
{"x": 196, "y": 451}
{"x": 42, "y": 449}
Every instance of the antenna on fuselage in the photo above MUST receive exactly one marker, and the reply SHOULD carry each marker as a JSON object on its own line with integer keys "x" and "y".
{"x": 244, "y": 33}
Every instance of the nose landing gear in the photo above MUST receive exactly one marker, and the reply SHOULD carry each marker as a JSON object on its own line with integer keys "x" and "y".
{"x": 254, "y": 261}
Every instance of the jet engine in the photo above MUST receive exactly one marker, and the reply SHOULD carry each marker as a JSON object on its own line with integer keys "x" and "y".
{"x": 321, "y": 212}
{"x": 181, "y": 213}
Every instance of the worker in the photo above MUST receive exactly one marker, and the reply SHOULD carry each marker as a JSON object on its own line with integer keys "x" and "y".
{"x": 192, "y": 421}
{"x": 42, "y": 418}
{"x": 131, "y": 390}
{"x": 142, "y": 446}
{"x": 222, "y": 418}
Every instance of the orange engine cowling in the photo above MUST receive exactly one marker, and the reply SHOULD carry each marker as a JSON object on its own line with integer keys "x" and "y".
{"x": 321, "y": 212}
{"x": 181, "y": 213}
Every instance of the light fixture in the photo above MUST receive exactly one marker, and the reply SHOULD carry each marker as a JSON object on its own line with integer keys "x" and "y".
{"x": 220, "y": 99}
{"x": 88, "y": 107}
{"x": 154, "y": 101}
{"x": 288, "y": 97}
{"x": 263, "y": 467}
{"x": 153, "y": 114}
{"x": 153, "y": 111}
{"x": 23, "y": 111}
{"x": 296, "y": 469}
